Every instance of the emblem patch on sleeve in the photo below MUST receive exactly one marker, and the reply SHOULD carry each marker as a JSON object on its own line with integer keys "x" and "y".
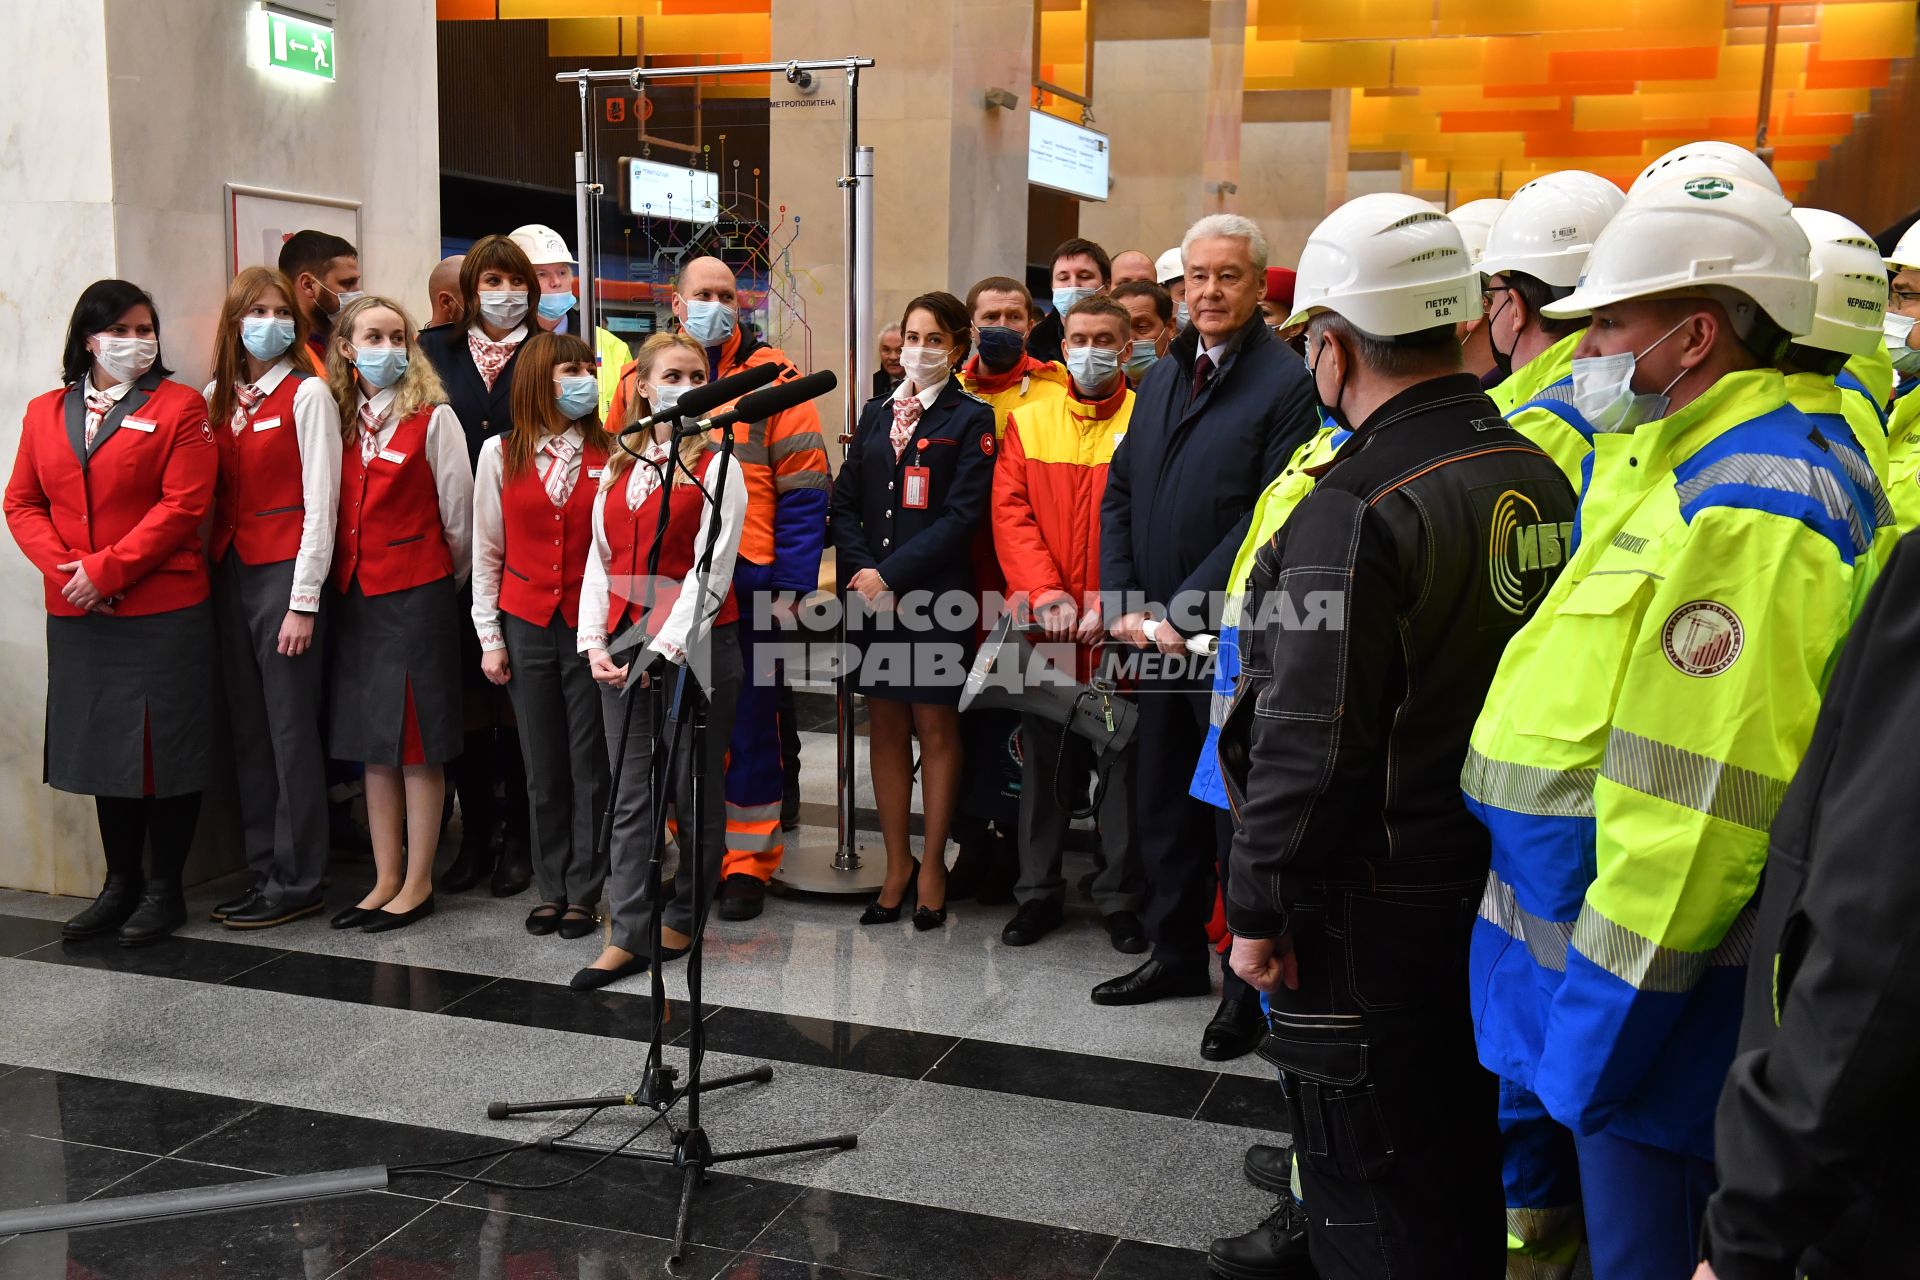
{"x": 1702, "y": 638}
{"x": 986, "y": 445}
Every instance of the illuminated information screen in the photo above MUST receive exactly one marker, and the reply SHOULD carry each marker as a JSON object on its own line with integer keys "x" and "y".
{"x": 1066, "y": 157}
{"x": 656, "y": 190}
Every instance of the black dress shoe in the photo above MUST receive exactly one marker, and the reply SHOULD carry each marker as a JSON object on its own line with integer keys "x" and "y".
{"x": 262, "y": 914}
{"x": 592, "y": 979}
{"x": 1274, "y": 1250}
{"x": 1032, "y": 922}
{"x": 240, "y": 902}
{"x": 573, "y": 925}
{"x": 927, "y": 919}
{"x": 1154, "y": 981}
{"x": 382, "y": 920}
{"x": 109, "y": 910}
{"x": 1270, "y": 1168}
{"x": 162, "y": 909}
{"x": 1237, "y": 1028}
{"x": 1128, "y": 935}
{"x": 742, "y": 897}
{"x": 351, "y": 918}
{"x": 514, "y": 872}
{"x": 470, "y": 866}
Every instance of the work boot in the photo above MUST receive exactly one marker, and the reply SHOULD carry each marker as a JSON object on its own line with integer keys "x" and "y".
{"x": 742, "y": 897}
{"x": 1274, "y": 1250}
{"x": 162, "y": 909}
{"x": 471, "y": 865}
{"x": 117, "y": 900}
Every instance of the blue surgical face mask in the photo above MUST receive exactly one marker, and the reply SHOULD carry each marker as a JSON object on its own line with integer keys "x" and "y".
{"x": 1065, "y": 299}
{"x": 710, "y": 323}
{"x": 266, "y": 337}
{"x": 381, "y": 366}
{"x": 577, "y": 395}
{"x": 1142, "y": 358}
{"x": 554, "y": 306}
{"x": 1181, "y": 315}
{"x": 1093, "y": 368}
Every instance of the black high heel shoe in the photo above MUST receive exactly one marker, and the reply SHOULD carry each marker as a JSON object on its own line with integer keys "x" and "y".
{"x": 926, "y": 918}
{"x": 877, "y": 914}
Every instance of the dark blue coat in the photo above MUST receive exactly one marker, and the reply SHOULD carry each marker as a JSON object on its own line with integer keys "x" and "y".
{"x": 1182, "y": 485}
{"x": 482, "y": 412}
{"x": 927, "y": 550}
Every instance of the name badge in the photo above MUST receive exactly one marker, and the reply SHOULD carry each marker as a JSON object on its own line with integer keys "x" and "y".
{"x": 914, "y": 493}
{"x": 265, "y": 424}
{"x": 139, "y": 424}
{"x": 594, "y": 473}
{"x": 388, "y": 455}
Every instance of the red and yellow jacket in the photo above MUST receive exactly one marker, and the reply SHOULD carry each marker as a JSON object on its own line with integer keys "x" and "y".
{"x": 1046, "y": 495}
{"x": 783, "y": 460}
{"x": 1029, "y": 382}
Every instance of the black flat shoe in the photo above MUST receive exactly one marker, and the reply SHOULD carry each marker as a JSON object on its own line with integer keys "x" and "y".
{"x": 351, "y": 918}
{"x": 926, "y": 919}
{"x": 592, "y": 979}
{"x": 577, "y": 926}
{"x": 382, "y": 920}
{"x": 669, "y": 954}
{"x": 544, "y": 918}
{"x": 1237, "y": 1028}
{"x": 117, "y": 899}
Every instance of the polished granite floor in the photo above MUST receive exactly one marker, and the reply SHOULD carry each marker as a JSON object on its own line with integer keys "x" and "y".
{"x": 1007, "y": 1127}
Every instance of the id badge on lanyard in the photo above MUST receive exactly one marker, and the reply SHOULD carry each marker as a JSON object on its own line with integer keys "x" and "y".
{"x": 915, "y": 488}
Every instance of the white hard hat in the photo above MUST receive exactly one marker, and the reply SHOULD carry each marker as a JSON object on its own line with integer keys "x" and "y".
{"x": 1169, "y": 266}
{"x": 1549, "y": 227}
{"x": 1389, "y": 264}
{"x": 543, "y": 244}
{"x": 1708, "y": 158}
{"x": 1850, "y": 284}
{"x": 1690, "y": 235}
{"x": 1475, "y": 218}
{"x": 1907, "y": 252}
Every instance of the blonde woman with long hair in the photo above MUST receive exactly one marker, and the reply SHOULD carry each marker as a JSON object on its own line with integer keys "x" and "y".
{"x": 532, "y": 530}
{"x": 278, "y": 430}
{"x": 403, "y": 544}
{"x": 687, "y": 618}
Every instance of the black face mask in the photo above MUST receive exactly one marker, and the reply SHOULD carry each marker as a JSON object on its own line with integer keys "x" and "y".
{"x": 1000, "y": 347}
{"x": 1502, "y": 360}
{"x": 1329, "y": 413}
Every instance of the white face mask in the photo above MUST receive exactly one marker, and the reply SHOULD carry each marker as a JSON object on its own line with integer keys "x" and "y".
{"x": 664, "y": 398}
{"x": 125, "y": 359}
{"x": 925, "y": 365}
{"x": 503, "y": 308}
{"x": 1898, "y": 329}
{"x": 1603, "y": 389}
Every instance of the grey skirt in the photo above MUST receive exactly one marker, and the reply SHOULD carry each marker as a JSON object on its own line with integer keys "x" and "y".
{"x": 385, "y": 647}
{"x": 129, "y": 697}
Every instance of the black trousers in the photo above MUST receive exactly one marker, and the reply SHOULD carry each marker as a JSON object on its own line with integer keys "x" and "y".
{"x": 1182, "y": 841}
{"x": 1394, "y": 1121}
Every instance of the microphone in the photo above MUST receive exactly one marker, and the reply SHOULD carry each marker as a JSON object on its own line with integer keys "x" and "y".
{"x": 775, "y": 399}
{"x": 710, "y": 395}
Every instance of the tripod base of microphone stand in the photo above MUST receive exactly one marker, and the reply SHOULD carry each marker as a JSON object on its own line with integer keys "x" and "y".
{"x": 817, "y": 864}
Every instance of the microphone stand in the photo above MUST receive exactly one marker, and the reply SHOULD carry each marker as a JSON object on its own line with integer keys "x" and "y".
{"x": 660, "y": 1088}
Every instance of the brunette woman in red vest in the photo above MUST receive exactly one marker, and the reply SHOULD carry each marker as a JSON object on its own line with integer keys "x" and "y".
{"x": 279, "y": 435}
{"x": 532, "y": 530}
{"x": 114, "y": 475}
{"x": 400, "y": 548}
{"x": 692, "y": 621}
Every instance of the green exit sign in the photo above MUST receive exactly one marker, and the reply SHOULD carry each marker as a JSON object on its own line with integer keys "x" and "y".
{"x": 296, "y": 44}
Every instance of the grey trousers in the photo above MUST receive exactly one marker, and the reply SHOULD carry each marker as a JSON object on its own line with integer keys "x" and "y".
{"x": 633, "y": 809}
{"x": 561, "y": 740}
{"x": 1118, "y": 884}
{"x": 273, "y": 706}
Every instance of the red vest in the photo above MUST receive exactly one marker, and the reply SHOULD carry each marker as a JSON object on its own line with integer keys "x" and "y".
{"x": 392, "y": 510}
{"x": 630, "y": 537}
{"x": 547, "y": 546}
{"x": 260, "y": 504}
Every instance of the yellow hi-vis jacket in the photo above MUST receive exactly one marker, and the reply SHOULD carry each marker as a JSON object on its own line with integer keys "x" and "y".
{"x": 1634, "y": 748}
{"x": 1903, "y": 462}
{"x": 1538, "y": 402}
{"x": 1847, "y": 420}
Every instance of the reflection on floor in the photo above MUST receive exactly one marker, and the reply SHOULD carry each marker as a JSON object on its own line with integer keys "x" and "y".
{"x": 1007, "y": 1127}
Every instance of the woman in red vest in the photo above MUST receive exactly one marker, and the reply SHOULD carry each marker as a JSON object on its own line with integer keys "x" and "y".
{"x": 278, "y": 430}
{"x": 400, "y": 547}
{"x": 532, "y": 529}
{"x": 114, "y": 475}
{"x": 692, "y": 623}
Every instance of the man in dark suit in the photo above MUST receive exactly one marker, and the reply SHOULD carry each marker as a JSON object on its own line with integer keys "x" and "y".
{"x": 1215, "y": 421}
{"x": 887, "y": 377}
